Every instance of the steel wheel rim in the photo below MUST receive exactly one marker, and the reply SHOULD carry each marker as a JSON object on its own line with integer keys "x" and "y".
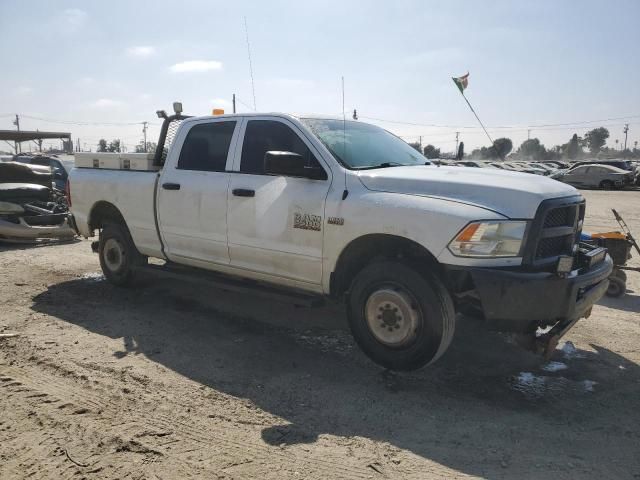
{"x": 113, "y": 254}
{"x": 393, "y": 316}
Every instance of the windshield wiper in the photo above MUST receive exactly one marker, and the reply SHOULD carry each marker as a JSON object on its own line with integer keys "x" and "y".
{"x": 392, "y": 164}
{"x": 383, "y": 165}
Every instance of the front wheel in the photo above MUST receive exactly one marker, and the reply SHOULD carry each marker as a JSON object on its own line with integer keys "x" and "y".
{"x": 400, "y": 318}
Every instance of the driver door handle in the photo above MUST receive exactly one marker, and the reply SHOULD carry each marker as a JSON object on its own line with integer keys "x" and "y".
{"x": 171, "y": 186}
{"x": 243, "y": 192}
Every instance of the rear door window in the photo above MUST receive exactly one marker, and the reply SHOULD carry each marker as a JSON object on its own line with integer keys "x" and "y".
{"x": 206, "y": 147}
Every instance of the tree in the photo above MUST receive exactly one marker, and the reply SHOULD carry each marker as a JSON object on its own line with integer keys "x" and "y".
{"x": 151, "y": 147}
{"x": 431, "y": 152}
{"x": 596, "y": 139}
{"x": 502, "y": 147}
{"x": 415, "y": 145}
{"x": 532, "y": 149}
{"x": 573, "y": 147}
{"x": 460, "y": 154}
{"x": 114, "y": 146}
{"x": 102, "y": 145}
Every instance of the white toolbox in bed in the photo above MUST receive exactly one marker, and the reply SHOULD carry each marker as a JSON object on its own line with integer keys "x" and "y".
{"x": 116, "y": 161}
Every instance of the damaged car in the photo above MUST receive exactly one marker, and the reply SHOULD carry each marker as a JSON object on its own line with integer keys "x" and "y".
{"x": 31, "y": 208}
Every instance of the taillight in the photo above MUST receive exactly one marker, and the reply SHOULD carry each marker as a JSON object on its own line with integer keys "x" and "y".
{"x": 67, "y": 192}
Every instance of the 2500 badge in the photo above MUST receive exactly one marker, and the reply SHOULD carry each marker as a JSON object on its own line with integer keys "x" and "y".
{"x": 307, "y": 221}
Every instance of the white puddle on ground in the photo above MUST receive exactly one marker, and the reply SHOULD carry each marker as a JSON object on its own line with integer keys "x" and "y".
{"x": 554, "y": 367}
{"x": 93, "y": 276}
{"x": 538, "y": 386}
{"x": 569, "y": 350}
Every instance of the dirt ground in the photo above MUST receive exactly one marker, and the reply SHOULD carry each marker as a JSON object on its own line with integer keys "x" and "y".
{"x": 174, "y": 381}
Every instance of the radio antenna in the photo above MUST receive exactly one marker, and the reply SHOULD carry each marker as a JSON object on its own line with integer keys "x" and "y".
{"x": 345, "y": 193}
{"x": 253, "y": 87}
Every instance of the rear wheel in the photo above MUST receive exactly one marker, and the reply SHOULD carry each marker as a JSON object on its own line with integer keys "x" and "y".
{"x": 401, "y": 319}
{"x": 118, "y": 255}
{"x": 606, "y": 184}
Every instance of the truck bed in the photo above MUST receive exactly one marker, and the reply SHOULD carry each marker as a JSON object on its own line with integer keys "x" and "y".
{"x": 132, "y": 192}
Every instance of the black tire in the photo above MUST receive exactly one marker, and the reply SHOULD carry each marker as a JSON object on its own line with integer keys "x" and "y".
{"x": 606, "y": 185}
{"x": 617, "y": 287}
{"x": 621, "y": 274}
{"x": 425, "y": 307}
{"x": 118, "y": 254}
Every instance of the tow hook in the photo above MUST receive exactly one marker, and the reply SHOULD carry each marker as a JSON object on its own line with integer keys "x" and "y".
{"x": 546, "y": 343}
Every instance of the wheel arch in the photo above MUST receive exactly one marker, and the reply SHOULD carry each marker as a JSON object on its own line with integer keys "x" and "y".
{"x": 362, "y": 250}
{"x": 103, "y": 211}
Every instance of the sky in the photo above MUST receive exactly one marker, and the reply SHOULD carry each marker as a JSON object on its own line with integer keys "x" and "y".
{"x": 99, "y": 68}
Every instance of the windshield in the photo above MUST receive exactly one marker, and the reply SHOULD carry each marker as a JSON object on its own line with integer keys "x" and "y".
{"x": 360, "y": 145}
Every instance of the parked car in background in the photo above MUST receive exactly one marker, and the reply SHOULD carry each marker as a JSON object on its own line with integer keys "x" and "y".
{"x": 557, "y": 164}
{"x": 544, "y": 166}
{"x": 524, "y": 167}
{"x": 470, "y": 163}
{"x": 602, "y": 176}
{"x": 621, "y": 164}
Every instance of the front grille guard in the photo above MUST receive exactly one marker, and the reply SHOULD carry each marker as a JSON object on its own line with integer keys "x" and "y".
{"x": 550, "y": 234}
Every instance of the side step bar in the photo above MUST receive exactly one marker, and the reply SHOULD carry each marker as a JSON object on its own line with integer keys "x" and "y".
{"x": 233, "y": 284}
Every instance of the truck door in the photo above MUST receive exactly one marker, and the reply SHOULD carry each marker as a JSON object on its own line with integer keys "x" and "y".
{"x": 192, "y": 193}
{"x": 276, "y": 222}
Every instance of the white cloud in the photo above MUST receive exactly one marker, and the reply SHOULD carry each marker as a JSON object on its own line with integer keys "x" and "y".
{"x": 220, "y": 102}
{"x": 143, "y": 51}
{"x": 74, "y": 18}
{"x": 24, "y": 90}
{"x": 196, "y": 66}
{"x": 106, "y": 103}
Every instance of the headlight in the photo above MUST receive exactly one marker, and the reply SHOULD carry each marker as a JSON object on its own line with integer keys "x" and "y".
{"x": 489, "y": 239}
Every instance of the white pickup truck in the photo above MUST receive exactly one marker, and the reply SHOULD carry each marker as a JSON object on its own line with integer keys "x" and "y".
{"x": 346, "y": 210}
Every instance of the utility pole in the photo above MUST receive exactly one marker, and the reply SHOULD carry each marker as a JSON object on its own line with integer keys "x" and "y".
{"x": 457, "y": 136}
{"x": 234, "y": 103}
{"x": 144, "y": 131}
{"x": 528, "y": 134}
{"x": 16, "y": 122}
{"x": 420, "y": 142}
{"x": 625, "y": 131}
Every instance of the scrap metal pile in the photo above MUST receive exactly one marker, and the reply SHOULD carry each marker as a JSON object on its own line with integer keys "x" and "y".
{"x": 31, "y": 209}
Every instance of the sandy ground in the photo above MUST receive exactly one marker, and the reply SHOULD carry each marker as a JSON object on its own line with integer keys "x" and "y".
{"x": 180, "y": 381}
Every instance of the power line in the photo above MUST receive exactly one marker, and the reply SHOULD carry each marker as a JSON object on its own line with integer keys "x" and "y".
{"x": 514, "y": 127}
{"x": 71, "y": 122}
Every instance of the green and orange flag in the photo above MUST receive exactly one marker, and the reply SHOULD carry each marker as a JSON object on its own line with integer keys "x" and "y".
{"x": 461, "y": 82}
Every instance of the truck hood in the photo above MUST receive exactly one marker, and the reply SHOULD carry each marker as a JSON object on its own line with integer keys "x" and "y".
{"x": 512, "y": 194}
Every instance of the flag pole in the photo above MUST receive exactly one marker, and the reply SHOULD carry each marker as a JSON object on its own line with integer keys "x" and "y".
{"x": 481, "y": 124}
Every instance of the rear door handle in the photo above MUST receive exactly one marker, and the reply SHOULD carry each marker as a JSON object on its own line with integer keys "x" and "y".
{"x": 243, "y": 192}
{"x": 171, "y": 186}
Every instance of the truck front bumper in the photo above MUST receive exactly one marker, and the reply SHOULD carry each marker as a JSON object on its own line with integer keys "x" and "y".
{"x": 521, "y": 302}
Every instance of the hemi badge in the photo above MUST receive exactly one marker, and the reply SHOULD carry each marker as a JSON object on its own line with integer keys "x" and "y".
{"x": 335, "y": 220}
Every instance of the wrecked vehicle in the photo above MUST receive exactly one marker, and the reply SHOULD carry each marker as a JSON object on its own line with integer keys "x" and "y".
{"x": 327, "y": 208}
{"x": 31, "y": 208}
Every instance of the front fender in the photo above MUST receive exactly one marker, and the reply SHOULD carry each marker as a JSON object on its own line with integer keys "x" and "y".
{"x": 429, "y": 222}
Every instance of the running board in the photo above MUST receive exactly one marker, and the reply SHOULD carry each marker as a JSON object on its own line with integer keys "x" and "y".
{"x": 234, "y": 284}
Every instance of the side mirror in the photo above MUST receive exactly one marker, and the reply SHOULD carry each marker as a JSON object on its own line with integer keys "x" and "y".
{"x": 290, "y": 164}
